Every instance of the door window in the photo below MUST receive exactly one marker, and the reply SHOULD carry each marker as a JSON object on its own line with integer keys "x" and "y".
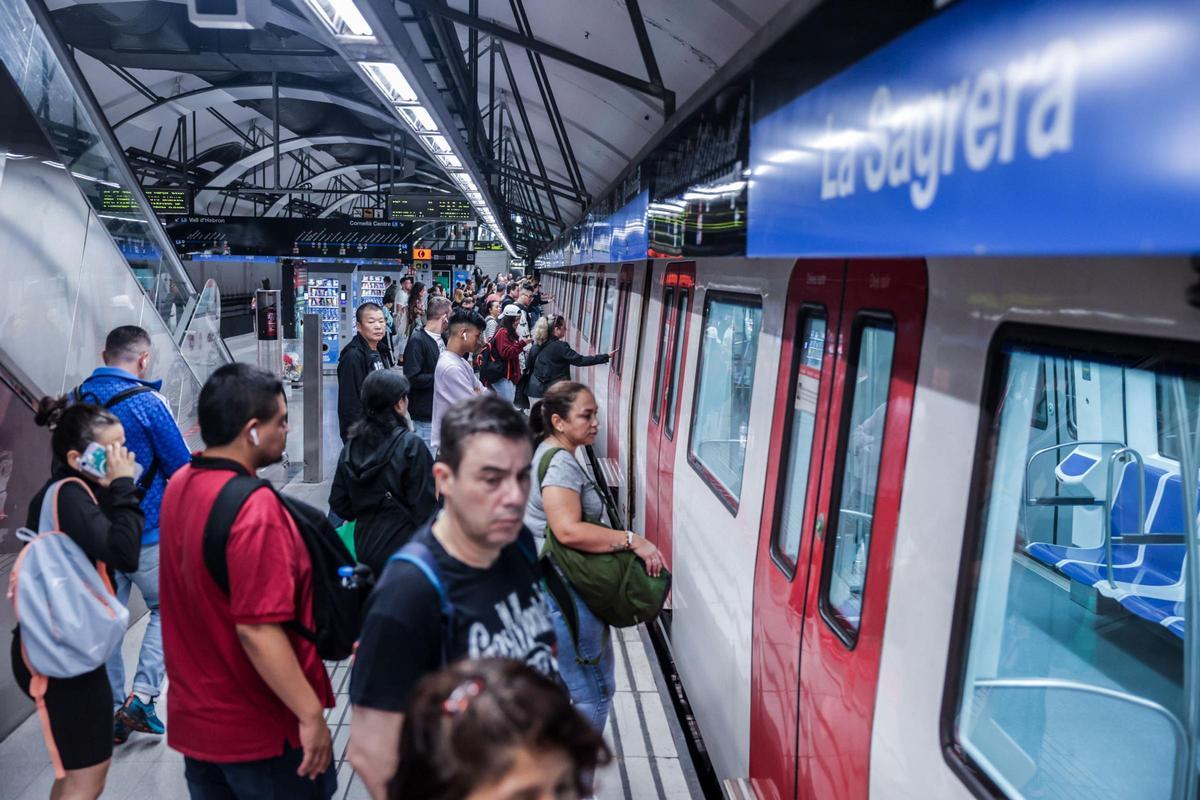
{"x": 810, "y": 354}
{"x": 664, "y": 334}
{"x": 622, "y": 322}
{"x": 862, "y": 448}
{"x": 725, "y": 383}
{"x": 1074, "y": 677}
{"x": 589, "y": 290}
{"x": 608, "y": 318}
{"x": 681, "y": 314}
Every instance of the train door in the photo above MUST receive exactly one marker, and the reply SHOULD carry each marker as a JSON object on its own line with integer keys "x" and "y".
{"x": 678, "y": 288}
{"x": 849, "y": 570}
{"x": 807, "y": 362}
{"x": 616, "y": 365}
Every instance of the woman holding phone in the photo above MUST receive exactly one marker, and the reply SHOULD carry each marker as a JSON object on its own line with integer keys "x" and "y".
{"x": 99, "y": 510}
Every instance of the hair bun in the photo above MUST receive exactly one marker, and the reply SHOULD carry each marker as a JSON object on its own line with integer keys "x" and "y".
{"x": 49, "y": 411}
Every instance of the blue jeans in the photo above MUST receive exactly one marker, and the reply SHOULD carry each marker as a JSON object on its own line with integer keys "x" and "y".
{"x": 505, "y": 389}
{"x": 150, "y": 669}
{"x": 591, "y": 684}
{"x": 269, "y": 779}
{"x": 425, "y": 431}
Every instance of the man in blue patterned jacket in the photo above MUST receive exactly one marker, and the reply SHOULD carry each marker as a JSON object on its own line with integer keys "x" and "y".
{"x": 152, "y": 435}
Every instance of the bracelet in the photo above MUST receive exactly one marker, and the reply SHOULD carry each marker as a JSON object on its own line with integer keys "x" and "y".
{"x": 628, "y": 540}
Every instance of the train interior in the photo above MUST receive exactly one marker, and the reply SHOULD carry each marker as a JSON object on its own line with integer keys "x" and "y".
{"x": 1083, "y": 570}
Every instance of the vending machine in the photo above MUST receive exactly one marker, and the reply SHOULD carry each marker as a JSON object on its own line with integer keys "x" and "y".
{"x": 323, "y": 300}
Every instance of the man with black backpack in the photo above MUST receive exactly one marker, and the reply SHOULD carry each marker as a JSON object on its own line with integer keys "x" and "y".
{"x": 465, "y": 585}
{"x": 244, "y": 596}
{"x": 153, "y": 437}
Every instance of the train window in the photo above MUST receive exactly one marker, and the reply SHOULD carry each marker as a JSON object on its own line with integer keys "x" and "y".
{"x": 588, "y": 292}
{"x": 668, "y": 304}
{"x": 1073, "y": 681}
{"x": 681, "y": 312}
{"x": 622, "y": 323}
{"x": 810, "y": 354}
{"x": 608, "y": 319}
{"x": 1169, "y": 443}
{"x": 846, "y": 564}
{"x": 601, "y": 301}
{"x": 724, "y": 386}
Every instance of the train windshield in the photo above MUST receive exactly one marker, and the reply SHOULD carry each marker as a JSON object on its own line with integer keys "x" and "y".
{"x": 1075, "y": 681}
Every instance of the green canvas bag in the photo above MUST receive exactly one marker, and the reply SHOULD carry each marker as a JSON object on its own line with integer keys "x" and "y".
{"x": 615, "y": 586}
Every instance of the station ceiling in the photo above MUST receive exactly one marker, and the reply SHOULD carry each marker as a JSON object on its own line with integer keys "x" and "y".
{"x": 571, "y": 90}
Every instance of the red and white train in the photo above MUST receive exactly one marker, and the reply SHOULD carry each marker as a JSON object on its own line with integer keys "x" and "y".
{"x": 931, "y": 516}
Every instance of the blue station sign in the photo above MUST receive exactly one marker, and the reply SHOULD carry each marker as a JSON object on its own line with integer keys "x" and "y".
{"x": 996, "y": 127}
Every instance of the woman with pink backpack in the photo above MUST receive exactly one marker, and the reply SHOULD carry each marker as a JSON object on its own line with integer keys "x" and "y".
{"x": 87, "y": 521}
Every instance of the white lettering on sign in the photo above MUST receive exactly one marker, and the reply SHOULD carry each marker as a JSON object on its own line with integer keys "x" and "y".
{"x": 1031, "y": 101}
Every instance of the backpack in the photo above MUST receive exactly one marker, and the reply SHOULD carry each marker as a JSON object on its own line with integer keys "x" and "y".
{"x": 340, "y": 584}
{"x": 80, "y": 395}
{"x": 492, "y": 368}
{"x": 71, "y": 621}
{"x": 615, "y": 586}
{"x": 420, "y": 556}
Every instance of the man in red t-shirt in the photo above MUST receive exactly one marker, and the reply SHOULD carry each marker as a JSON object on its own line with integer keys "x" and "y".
{"x": 246, "y": 696}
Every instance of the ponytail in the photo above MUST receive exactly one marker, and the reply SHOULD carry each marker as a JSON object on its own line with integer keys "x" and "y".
{"x": 557, "y": 401}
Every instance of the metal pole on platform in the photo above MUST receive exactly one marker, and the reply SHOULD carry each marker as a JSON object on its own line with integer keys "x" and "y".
{"x": 313, "y": 398}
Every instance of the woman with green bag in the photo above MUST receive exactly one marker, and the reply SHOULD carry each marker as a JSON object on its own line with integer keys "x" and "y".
{"x": 564, "y": 512}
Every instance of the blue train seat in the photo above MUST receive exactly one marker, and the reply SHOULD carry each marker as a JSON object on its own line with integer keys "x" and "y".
{"x": 1149, "y": 579}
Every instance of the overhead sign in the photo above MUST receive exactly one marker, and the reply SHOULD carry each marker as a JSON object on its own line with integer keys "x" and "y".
{"x": 281, "y": 236}
{"x": 998, "y": 126}
{"x": 162, "y": 201}
{"x": 422, "y": 254}
{"x": 446, "y": 257}
{"x": 430, "y": 207}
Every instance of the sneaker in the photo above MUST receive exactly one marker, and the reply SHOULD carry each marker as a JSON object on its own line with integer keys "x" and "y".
{"x": 140, "y": 716}
{"x": 120, "y": 731}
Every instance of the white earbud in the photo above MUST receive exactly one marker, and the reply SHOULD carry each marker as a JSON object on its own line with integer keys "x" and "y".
{"x": 254, "y": 436}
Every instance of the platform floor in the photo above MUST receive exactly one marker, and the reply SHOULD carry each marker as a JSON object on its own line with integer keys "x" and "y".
{"x": 651, "y": 754}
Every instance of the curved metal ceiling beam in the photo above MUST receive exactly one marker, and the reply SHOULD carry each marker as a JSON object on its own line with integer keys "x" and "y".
{"x": 330, "y": 174}
{"x": 264, "y": 154}
{"x": 341, "y": 201}
{"x": 200, "y": 99}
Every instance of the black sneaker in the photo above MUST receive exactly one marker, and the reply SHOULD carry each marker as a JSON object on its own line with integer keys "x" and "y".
{"x": 120, "y": 731}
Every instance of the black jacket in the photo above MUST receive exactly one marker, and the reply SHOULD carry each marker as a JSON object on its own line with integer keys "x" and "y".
{"x": 554, "y": 362}
{"x": 420, "y": 360}
{"x": 355, "y": 363}
{"x": 388, "y": 489}
{"x": 110, "y": 532}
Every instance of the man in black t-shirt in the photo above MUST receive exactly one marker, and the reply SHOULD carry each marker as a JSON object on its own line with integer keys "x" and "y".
{"x": 486, "y": 564}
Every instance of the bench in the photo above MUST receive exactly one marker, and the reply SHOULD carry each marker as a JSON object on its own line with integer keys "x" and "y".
{"x": 1147, "y": 558}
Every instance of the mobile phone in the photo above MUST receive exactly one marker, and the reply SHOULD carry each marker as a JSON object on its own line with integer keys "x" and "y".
{"x": 94, "y": 462}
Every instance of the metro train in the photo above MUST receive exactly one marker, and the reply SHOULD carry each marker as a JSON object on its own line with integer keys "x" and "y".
{"x": 927, "y": 484}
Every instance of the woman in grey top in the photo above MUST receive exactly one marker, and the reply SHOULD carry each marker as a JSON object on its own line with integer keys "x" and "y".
{"x": 568, "y": 502}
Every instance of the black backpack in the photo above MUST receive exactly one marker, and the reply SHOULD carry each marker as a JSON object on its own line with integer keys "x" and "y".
{"x": 337, "y": 605}
{"x": 492, "y": 368}
{"x": 81, "y": 395}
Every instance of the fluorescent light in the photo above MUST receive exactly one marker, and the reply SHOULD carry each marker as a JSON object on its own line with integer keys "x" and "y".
{"x": 418, "y": 119}
{"x": 342, "y": 18}
{"x": 450, "y": 162}
{"x": 390, "y": 80}
{"x": 438, "y": 144}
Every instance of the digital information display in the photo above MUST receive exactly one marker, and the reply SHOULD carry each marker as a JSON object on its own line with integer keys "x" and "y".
{"x": 430, "y": 207}
{"x": 163, "y": 201}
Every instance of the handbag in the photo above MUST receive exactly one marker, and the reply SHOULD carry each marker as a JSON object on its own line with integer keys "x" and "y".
{"x": 614, "y": 586}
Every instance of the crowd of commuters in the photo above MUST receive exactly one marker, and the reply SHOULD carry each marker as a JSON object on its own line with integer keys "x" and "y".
{"x": 467, "y": 673}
